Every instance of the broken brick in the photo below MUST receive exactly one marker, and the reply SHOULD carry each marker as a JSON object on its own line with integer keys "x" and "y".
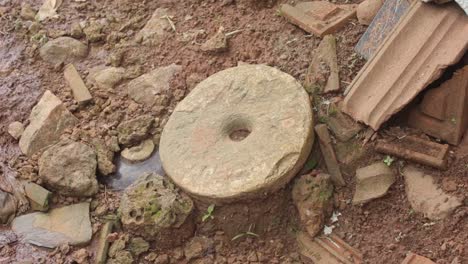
{"x": 443, "y": 113}
{"x": 329, "y": 154}
{"x": 326, "y": 250}
{"x": 426, "y": 40}
{"x": 416, "y": 149}
{"x": 412, "y": 258}
{"x": 318, "y": 17}
{"x": 79, "y": 89}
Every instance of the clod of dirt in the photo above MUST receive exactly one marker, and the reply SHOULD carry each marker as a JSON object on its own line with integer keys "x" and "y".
{"x": 7, "y": 207}
{"x": 137, "y": 246}
{"x": 108, "y": 77}
{"x": 217, "y": 43}
{"x": 76, "y": 31}
{"x": 149, "y": 88}
{"x": 15, "y": 129}
{"x": 426, "y": 197}
{"x": 105, "y": 157}
{"x": 197, "y": 247}
{"x": 133, "y": 131}
{"x": 162, "y": 259}
{"x": 139, "y": 152}
{"x": 372, "y": 182}
{"x": 80, "y": 256}
{"x": 48, "y": 119}
{"x": 156, "y": 28}
{"x": 367, "y": 10}
{"x": 93, "y": 31}
{"x": 118, "y": 245}
{"x": 63, "y": 49}
{"x": 67, "y": 225}
{"x": 69, "y": 168}
{"x": 238, "y": 111}
{"x": 155, "y": 210}
{"x": 27, "y": 13}
{"x": 312, "y": 196}
{"x": 121, "y": 257}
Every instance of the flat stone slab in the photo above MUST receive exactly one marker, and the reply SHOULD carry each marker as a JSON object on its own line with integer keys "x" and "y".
{"x": 67, "y": 225}
{"x": 372, "y": 182}
{"x": 240, "y": 133}
{"x": 426, "y": 197}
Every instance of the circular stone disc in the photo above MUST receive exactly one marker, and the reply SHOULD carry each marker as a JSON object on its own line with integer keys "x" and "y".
{"x": 241, "y": 133}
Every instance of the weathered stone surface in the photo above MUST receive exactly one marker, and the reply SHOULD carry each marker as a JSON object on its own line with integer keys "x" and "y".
{"x": 93, "y": 31}
{"x": 312, "y": 196}
{"x": 155, "y": 28}
{"x": 240, "y": 133}
{"x": 139, "y": 152}
{"x": 323, "y": 72}
{"x": 133, "y": 131}
{"x": 217, "y": 43}
{"x": 372, "y": 182}
{"x": 27, "y": 13}
{"x": 329, "y": 154}
{"x": 341, "y": 125}
{"x": 148, "y": 87}
{"x": 154, "y": 209}
{"x": 426, "y": 197}
{"x": 197, "y": 247}
{"x": 63, "y": 49}
{"x": 76, "y": 84}
{"x": 367, "y": 10}
{"x": 7, "y": 207}
{"x": 105, "y": 157}
{"x": 67, "y": 225}
{"x": 16, "y": 129}
{"x": 318, "y": 17}
{"x": 103, "y": 243}
{"x": 137, "y": 246}
{"x": 48, "y": 119}
{"x": 38, "y": 196}
{"x": 69, "y": 168}
{"x": 108, "y": 77}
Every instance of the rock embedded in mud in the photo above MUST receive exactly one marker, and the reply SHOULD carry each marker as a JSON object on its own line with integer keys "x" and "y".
{"x": 140, "y": 152}
{"x": 67, "y": 225}
{"x": 47, "y": 121}
{"x": 217, "y": 43}
{"x": 16, "y": 129}
{"x": 197, "y": 247}
{"x": 241, "y": 133}
{"x": 154, "y": 209}
{"x": 133, "y": 131}
{"x": 69, "y": 168}
{"x": 367, "y": 10}
{"x": 372, "y": 182}
{"x": 312, "y": 196}
{"x": 426, "y": 197}
{"x": 155, "y": 29}
{"x": 108, "y": 77}
{"x": 7, "y": 207}
{"x": 63, "y": 49}
{"x": 147, "y": 88}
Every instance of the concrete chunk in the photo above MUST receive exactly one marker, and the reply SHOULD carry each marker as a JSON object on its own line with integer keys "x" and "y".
{"x": 426, "y": 197}
{"x": 78, "y": 87}
{"x": 372, "y": 182}
{"x": 48, "y": 119}
{"x": 38, "y": 196}
{"x": 329, "y": 154}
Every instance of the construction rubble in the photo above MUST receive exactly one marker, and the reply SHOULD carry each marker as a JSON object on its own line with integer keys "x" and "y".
{"x": 235, "y": 131}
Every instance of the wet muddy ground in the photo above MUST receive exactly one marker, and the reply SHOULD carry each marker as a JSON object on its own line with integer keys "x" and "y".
{"x": 384, "y": 230}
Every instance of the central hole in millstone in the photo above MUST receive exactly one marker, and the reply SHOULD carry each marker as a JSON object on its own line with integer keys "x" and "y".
{"x": 239, "y": 134}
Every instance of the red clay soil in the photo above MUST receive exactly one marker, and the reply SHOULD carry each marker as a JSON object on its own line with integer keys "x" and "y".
{"x": 384, "y": 230}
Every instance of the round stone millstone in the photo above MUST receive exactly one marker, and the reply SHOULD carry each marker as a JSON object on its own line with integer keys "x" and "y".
{"x": 241, "y": 133}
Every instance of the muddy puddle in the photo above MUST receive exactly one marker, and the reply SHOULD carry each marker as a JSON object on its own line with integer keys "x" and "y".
{"x": 128, "y": 172}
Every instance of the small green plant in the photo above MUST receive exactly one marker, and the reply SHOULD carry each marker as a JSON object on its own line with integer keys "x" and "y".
{"x": 209, "y": 213}
{"x": 248, "y": 233}
{"x": 388, "y": 160}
